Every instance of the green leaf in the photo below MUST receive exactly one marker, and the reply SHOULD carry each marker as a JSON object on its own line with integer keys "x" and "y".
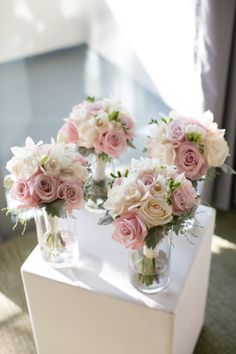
{"x": 113, "y": 116}
{"x": 164, "y": 120}
{"x": 153, "y": 121}
{"x": 126, "y": 173}
{"x": 85, "y": 151}
{"x": 91, "y": 99}
{"x": 105, "y": 220}
{"x": 155, "y": 235}
{"x": 55, "y": 208}
{"x": 130, "y": 144}
{"x": 227, "y": 169}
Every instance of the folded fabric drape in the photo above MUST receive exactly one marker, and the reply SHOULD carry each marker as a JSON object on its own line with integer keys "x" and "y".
{"x": 215, "y": 54}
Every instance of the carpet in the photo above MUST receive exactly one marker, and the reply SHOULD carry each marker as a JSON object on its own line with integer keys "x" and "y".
{"x": 217, "y": 336}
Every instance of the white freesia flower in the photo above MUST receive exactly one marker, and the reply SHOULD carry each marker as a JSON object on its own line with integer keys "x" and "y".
{"x": 25, "y": 160}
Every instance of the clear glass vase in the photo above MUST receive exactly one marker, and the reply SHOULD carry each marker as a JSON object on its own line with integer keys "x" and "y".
{"x": 97, "y": 191}
{"x": 149, "y": 269}
{"x": 57, "y": 238}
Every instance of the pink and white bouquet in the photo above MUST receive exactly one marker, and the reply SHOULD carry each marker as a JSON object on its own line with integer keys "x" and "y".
{"x": 102, "y": 127}
{"x": 145, "y": 203}
{"x": 195, "y": 145}
{"x": 43, "y": 174}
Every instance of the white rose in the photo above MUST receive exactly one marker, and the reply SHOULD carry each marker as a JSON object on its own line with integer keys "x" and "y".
{"x": 164, "y": 153}
{"x": 87, "y": 133}
{"x": 155, "y": 211}
{"x": 216, "y": 149}
{"x": 134, "y": 193}
{"x": 115, "y": 200}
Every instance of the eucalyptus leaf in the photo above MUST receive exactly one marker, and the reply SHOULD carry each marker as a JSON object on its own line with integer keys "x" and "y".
{"x": 227, "y": 169}
{"x": 130, "y": 144}
{"x": 105, "y": 220}
{"x": 155, "y": 235}
{"x": 56, "y": 208}
{"x": 84, "y": 151}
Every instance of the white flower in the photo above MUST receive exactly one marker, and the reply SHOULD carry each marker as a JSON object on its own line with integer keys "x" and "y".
{"x": 159, "y": 131}
{"x": 207, "y": 120}
{"x": 164, "y": 153}
{"x": 216, "y": 148}
{"x": 25, "y": 160}
{"x": 87, "y": 133}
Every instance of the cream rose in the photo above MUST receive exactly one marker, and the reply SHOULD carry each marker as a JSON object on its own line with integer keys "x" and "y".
{"x": 155, "y": 211}
{"x": 87, "y": 133}
{"x": 216, "y": 148}
{"x": 164, "y": 153}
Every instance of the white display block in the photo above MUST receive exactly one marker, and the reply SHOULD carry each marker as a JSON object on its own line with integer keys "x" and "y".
{"x": 93, "y": 309}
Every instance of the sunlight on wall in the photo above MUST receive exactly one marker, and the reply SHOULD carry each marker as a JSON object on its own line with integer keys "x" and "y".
{"x": 162, "y": 34}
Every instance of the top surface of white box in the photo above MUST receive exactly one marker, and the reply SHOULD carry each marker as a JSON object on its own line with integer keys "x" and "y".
{"x": 103, "y": 266}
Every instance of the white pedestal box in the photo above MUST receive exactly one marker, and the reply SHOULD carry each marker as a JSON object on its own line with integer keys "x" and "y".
{"x": 93, "y": 309}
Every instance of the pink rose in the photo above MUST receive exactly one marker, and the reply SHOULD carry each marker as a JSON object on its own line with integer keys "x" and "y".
{"x": 128, "y": 125}
{"x": 113, "y": 143}
{"x": 68, "y": 132}
{"x": 43, "y": 188}
{"x": 130, "y": 230}
{"x": 72, "y": 192}
{"x": 148, "y": 178}
{"x": 20, "y": 191}
{"x": 190, "y": 160}
{"x": 176, "y": 132}
{"x": 184, "y": 199}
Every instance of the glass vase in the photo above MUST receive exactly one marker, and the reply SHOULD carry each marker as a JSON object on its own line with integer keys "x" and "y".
{"x": 149, "y": 269}
{"x": 97, "y": 191}
{"x": 57, "y": 238}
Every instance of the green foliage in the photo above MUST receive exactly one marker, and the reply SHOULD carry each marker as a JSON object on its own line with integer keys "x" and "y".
{"x": 105, "y": 220}
{"x": 113, "y": 116}
{"x": 211, "y": 174}
{"x": 130, "y": 144}
{"x": 90, "y": 99}
{"x": 56, "y": 208}
{"x": 85, "y": 151}
{"x": 103, "y": 156}
{"x": 172, "y": 184}
{"x": 153, "y": 121}
{"x": 154, "y": 236}
{"x": 227, "y": 169}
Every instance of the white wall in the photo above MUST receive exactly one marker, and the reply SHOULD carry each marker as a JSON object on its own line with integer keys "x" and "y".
{"x": 29, "y": 27}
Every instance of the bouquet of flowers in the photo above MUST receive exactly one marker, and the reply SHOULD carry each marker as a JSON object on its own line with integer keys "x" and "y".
{"x": 47, "y": 175}
{"x": 195, "y": 145}
{"x": 50, "y": 179}
{"x": 144, "y": 204}
{"x": 102, "y": 128}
